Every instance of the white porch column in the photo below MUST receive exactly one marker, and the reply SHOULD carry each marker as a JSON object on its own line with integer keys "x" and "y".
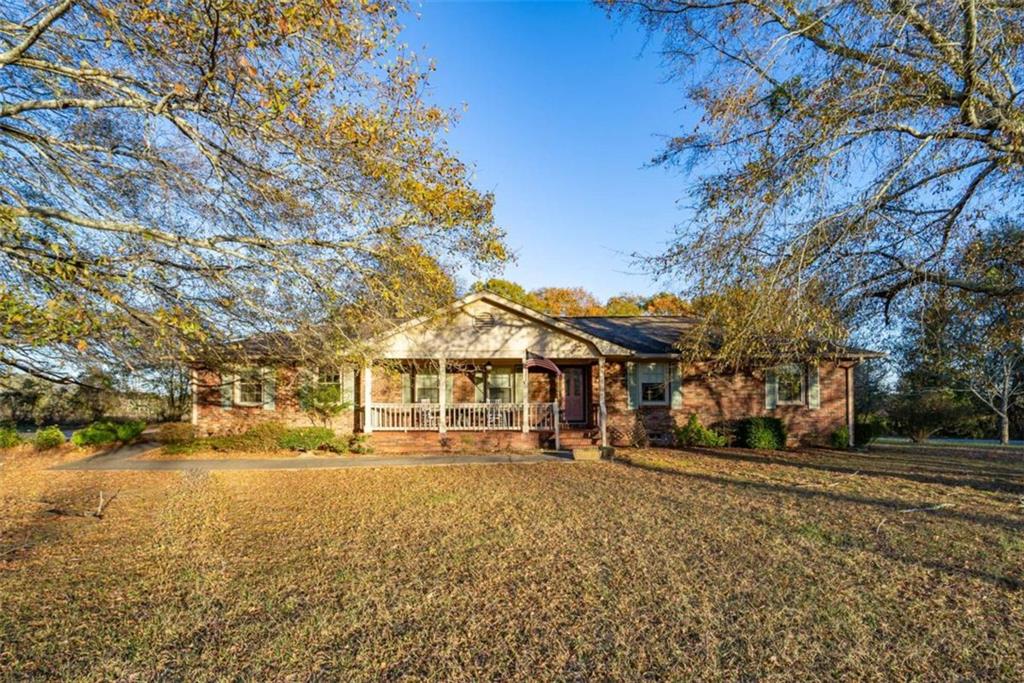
{"x": 602, "y": 410}
{"x": 368, "y": 399}
{"x": 442, "y": 394}
{"x": 526, "y": 395}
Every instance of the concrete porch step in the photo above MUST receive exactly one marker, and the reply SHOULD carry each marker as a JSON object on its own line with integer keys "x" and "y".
{"x": 576, "y": 438}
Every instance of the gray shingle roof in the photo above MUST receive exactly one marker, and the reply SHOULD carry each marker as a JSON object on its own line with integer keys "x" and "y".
{"x": 642, "y": 334}
{"x": 660, "y": 334}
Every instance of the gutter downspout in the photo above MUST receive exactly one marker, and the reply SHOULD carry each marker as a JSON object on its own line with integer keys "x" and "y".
{"x": 849, "y": 403}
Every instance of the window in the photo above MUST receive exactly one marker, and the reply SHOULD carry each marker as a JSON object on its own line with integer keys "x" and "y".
{"x": 790, "y": 379}
{"x": 329, "y": 376}
{"x": 427, "y": 388}
{"x": 499, "y": 386}
{"x": 344, "y": 381}
{"x": 654, "y": 383}
{"x": 250, "y": 388}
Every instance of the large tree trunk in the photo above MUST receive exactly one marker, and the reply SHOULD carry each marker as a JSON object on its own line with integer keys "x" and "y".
{"x": 1004, "y": 428}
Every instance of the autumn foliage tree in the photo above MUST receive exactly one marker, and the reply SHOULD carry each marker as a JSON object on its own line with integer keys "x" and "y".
{"x": 986, "y": 332}
{"x": 847, "y": 152}
{"x": 178, "y": 174}
{"x": 667, "y": 303}
{"x": 577, "y": 301}
{"x": 567, "y": 301}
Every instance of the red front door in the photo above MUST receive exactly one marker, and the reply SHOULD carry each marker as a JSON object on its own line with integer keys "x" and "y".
{"x": 573, "y": 394}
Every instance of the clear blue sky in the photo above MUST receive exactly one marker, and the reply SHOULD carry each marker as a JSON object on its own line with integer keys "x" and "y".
{"x": 565, "y": 109}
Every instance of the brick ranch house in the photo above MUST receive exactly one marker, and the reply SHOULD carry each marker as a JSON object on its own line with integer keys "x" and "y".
{"x": 489, "y": 373}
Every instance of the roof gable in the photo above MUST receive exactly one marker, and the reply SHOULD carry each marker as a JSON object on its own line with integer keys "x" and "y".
{"x": 486, "y": 324}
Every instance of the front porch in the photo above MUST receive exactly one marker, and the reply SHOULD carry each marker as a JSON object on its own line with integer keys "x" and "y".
{"x": 399, "y": 417}
{"x": 485, "y": 395}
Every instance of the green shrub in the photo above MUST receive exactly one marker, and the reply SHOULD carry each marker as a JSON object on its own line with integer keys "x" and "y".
{"x": 186, "y": 447}
{"x": 360, "y": 444}
{"x": 338, "y": 444}
{"x": 729, "y": 430}
{"x": 94, "y": 434}
{"x": 869, "y": 428}
{"x": 271, "y": 436}
{"x": 48, "y": 437}
{"x": 9, "y": 437}
{"x": 693, "y": 433}
{"x": 840, "y": 438}
{"x": 306, "y": 438}
{"x": 107, "y": 432}
{"x": 262, "y": 437}
{"x": 175, "y": 433}
{"x": 921, "y": 416}
{"x": 763, "y": 433}
{"x": 129, "y": 431}
{"x": 321, "y": 401}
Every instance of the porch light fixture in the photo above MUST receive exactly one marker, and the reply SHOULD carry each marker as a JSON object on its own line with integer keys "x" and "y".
{"x": 488, "y": 366}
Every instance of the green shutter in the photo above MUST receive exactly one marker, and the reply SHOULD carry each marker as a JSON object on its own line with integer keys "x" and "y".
{"x": 449, "y": 388}
{"x": 813, "y": 387}
{"x": 771, "y": 389}
{"x": 632, "y": 385}
{"x": 348, "y": 386}
{"x": 676, "y": 386}
{"x": 227, "y": 390}
{"x": 517, "y": 384}
{"x": 269, "y": 388}
{"x": 406, "y": 386}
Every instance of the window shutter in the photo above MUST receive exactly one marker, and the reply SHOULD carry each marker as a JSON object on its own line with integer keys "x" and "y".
{"x": 348, "y": 387}
{"x": 269, "y": 388}
{"x": 227, "y": 390}
{"x": 813, "y": 387}
{"x": 676, "y": 386}
{"x": 771, "y": 389}
{"x": 632, "y": 385}
{"x": 449, "y": 388}
{"x": 406, "y": 386}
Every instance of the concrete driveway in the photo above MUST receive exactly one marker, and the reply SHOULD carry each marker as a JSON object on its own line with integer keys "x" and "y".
{"x": 124, "y": 459}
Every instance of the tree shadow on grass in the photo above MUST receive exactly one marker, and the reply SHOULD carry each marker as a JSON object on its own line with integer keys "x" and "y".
{"x": 809, "y": 493}
{"x": 1000, "y": 482}
{"x": 1007, "y": 582}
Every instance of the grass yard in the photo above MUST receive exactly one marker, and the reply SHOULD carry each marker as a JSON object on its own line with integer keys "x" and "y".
{"x": 717, "y": 565}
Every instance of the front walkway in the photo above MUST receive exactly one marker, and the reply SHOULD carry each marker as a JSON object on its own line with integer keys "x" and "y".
{"x": 124, "y": 459}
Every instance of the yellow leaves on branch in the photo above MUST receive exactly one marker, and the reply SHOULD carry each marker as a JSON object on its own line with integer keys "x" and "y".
{"x": 406, "y": 159}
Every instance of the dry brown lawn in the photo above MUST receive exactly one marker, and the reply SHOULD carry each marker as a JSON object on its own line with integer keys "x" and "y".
{"x": 217, "y": 454}
{"x": 718, "y": 565}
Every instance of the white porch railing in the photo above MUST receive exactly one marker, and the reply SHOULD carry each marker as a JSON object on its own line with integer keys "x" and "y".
{"x": 398, "y": 417}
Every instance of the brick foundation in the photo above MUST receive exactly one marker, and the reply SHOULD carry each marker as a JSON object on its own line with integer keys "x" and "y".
{"x": 430, "y": 443}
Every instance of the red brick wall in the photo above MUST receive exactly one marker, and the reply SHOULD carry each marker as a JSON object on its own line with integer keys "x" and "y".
{"x": 713, "y": 398}
{"x": 386, "y": 386}
{"x": 722, "y": 398}
{"x": 425, "y": 443}
{"x": 543, "y": 386}
{"x": 214, "y": 419}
